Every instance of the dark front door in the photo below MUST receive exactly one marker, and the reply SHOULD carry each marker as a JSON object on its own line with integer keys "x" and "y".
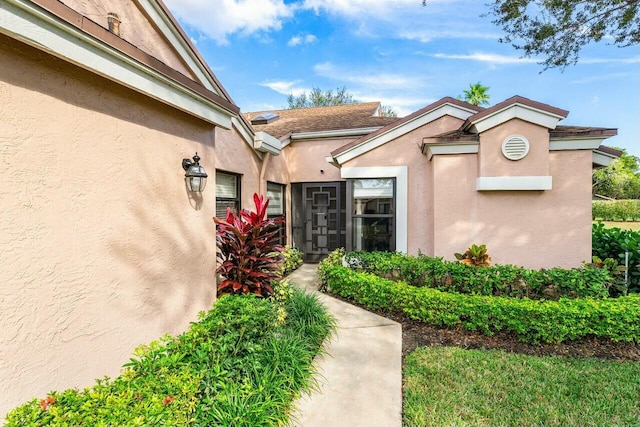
{"x": 323, "y": 219}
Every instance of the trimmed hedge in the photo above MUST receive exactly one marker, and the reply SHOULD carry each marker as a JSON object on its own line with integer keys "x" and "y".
{"x": 532, "y": 321}
{"x": 615, "y": 210}
{"x": 497, "y": 280}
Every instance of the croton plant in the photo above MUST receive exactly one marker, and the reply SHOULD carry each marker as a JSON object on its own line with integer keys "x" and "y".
{"x": 248, "y": 250}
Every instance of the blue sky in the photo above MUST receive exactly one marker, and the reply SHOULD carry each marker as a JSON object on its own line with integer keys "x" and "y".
{"x": 401, "y": 54}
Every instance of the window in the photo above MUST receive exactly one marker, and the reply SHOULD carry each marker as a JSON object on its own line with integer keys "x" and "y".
{"x": 227, "y": 193}
{"x": 277, "y": 207}
{"x": 372, "y": 210}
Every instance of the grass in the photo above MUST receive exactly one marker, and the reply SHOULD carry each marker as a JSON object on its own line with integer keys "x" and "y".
{"x": 627, "y": 225}
{"x": 455, "y": 387}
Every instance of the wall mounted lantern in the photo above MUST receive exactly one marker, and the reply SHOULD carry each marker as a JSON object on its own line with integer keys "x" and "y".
{"x": 196, "y": 177}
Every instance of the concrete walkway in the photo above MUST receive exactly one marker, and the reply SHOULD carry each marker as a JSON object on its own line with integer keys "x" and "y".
{"x": 360, "y": 377}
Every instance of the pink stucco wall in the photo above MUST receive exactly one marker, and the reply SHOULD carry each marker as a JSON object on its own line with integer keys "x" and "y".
{"x": 306, "y": 159}
{"x": 135, "y": 28}
{"x": 534, "y": 229}
{"x": 494, "y": 163}
{"x": 102, "y": 246}
{"x": 405, "y": 150}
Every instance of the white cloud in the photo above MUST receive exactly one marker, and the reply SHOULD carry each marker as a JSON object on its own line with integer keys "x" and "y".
{"x": 403, "y": 105}
{"x": 365, "y": 78}
{"x": 601, "y": 77}
{"x": 634, "y": 60}
{"x": 285, "y": 87}
{"x": 425, "y": 36}
{"x": 301, "y": 39}
{"x": 221, "y": 18}
{"x": 492, "y": 58}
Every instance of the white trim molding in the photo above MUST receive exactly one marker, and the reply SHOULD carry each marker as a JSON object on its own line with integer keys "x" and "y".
{"x": 516, "y": 111}
{"x": 431, "y": 150}
{"x": 266, "y": 143}
{"x": 575, "y": 144}
{"x": 27, "y": 22}
{"x": 602, "y": 159}
{"x": 404, "y": 128}
{"x": 339, "y": 133}
{"x": 513, "y": 183}
{"x": 400, "y": 173}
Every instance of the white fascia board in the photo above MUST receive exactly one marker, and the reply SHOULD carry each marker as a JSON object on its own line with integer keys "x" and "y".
{"x": 24, "y": 21}
{"x": 517, "y": 111}
{"x": 575, "y": 144}
{"x": 266, "y": 143}
{"x": 602, "y": 159}
{"x": 513, "y": 183}
{"x": 453, "y": 148}
{"x": 165, "y": 25}
{"x": 400, "y": 173}
{"x": 404, "y": 128}
{"x": 340, "y": 133}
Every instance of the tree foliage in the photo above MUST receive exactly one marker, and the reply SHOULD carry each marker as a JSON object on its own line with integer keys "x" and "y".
{"x": 619, "y": 180}
{"x": 477, "y": 94}
{"x": 319, "y": 98}
{"x": 558, "y": 29}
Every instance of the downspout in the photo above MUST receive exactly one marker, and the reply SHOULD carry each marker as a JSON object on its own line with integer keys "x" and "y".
{"x": 263, "y": 170}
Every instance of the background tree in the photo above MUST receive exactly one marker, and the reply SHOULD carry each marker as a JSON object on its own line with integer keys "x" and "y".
{"x": 319, "y": 98}
{"x": 619, "y": 180}
{"x": 477, "y": 94}
{"x": 558, "y": 29}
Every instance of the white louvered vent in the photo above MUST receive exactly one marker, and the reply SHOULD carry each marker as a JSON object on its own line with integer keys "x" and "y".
{"x": 515, "y": 147}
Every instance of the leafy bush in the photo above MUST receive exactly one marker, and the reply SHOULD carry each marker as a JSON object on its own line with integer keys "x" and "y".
{"x": 614, "y": 243}
{"x": 248, "y": 253}
{"x": 497, "y": 280}
{"x": 532, "y": 321}
{"x": 240, "y": 364}
{"x": 292, "y": 260}
{"x": 615, "y": 210}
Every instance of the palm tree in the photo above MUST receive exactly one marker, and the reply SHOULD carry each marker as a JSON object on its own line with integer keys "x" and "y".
{"x": 476, "y": 94}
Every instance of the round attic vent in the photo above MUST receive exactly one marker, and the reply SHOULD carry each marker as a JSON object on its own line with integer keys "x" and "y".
{"x": 515, "y": 147}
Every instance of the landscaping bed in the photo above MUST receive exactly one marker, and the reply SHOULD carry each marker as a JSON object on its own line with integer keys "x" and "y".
{"x": 243, "y": 363}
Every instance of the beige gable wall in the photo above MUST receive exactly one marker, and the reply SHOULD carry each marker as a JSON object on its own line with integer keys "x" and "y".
{"x": 406, "y": 150}
{"x": 306, "y": 159}
{"x": 103, "y": 248}
{"x": 494, "y": 163}
{"x": 135, "y": 27}
{"x": 534, "y": 229}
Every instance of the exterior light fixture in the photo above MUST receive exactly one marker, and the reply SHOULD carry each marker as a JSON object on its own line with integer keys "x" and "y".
{"x": 195, "y": 175}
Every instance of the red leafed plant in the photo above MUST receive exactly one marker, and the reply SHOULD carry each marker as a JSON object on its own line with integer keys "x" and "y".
{"x": 248, "y": 253}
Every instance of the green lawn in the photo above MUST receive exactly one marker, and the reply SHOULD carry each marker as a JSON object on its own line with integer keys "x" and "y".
{"x": 455, "y": 387}
{"x": 628, "y": 225}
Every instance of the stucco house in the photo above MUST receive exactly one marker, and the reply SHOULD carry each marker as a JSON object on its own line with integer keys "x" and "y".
{"x": 103, "y": 245}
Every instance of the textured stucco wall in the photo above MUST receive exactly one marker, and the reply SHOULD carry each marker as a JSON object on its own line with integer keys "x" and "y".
{"x": 494, "y": 163}
{"x": 135, "y": 27}
{"x": 102, "y": 248}
{"x": 233, "y": 154}
{"x": 405, "y": 150}
{"x": 534, "y": 229}
{"x": 306, "y": 159}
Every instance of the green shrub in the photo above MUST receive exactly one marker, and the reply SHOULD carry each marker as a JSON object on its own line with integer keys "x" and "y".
{"x": 532, "y": 321}
{"x": 240, "y": 364}
{"x": 614, "y": 243}
{"x": 615, "y": 210}
{"x": 292, "y": 260}
{"x": 497, "y": 280}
